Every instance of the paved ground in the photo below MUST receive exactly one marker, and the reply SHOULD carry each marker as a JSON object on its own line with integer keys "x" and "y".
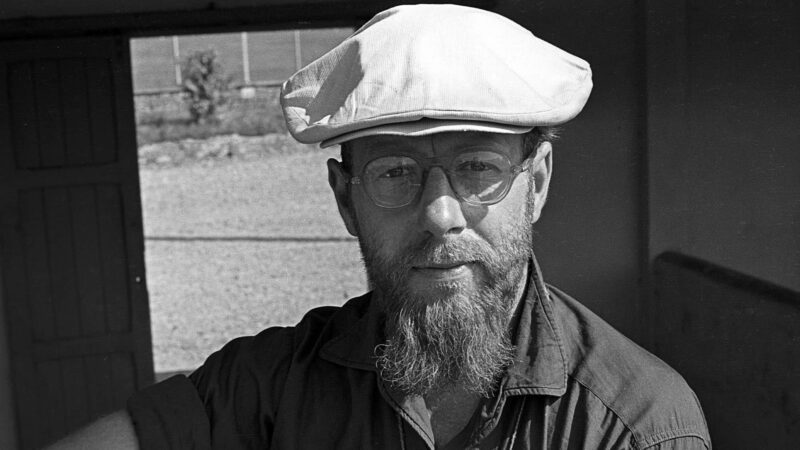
{"x": 234, "y": 246}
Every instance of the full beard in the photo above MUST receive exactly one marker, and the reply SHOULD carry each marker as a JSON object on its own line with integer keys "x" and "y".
{"x": 455, "y": 334}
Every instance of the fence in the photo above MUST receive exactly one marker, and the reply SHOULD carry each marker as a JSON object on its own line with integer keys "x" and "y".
{"x": 252, "y": 59}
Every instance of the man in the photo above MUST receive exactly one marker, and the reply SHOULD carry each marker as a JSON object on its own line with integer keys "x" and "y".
{"x": 444, "y": 115}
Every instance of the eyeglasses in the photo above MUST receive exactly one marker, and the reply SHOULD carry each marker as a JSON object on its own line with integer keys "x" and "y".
{"x": 478, "y": 176}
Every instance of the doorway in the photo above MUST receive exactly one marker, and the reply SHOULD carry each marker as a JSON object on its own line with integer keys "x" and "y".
{"x": 241, "y": 231}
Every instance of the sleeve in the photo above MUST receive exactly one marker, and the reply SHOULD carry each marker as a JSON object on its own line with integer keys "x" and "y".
{"x": 682, "y": 443}
{"x": 228, "y": 403}
{"x": 170, "y": 415}
{"x": 240, "y": 388}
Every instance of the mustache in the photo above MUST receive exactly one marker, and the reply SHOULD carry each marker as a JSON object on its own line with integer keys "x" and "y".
{"x": 445, "y": 251}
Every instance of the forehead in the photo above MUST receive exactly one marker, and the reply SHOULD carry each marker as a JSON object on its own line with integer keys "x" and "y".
{"x": 369, "y": 147}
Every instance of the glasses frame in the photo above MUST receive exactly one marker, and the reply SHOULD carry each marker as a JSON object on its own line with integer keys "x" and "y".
{"x": 427, "y": 163}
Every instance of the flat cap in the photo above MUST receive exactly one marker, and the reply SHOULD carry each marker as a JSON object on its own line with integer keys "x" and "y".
{"x": 421, "y": 69}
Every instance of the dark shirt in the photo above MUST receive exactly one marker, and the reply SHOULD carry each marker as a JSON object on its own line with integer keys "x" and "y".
{"x": 576, "y": 383}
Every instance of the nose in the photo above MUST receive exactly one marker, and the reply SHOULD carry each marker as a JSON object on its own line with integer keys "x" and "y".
{"x": 441, "y": 212}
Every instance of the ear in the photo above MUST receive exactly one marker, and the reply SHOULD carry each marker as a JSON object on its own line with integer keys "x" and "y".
{"x": 337, "y": 178}
{"x": 541, "y": 172}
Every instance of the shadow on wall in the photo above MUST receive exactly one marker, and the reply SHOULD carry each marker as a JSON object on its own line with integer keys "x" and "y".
{"x": 737, "y": 342}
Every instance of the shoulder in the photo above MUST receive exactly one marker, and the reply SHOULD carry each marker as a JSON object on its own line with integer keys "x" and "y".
{"x": 270, "y": 353}
{"x": 650, "y": 398}
{"x": 242, "y": 385}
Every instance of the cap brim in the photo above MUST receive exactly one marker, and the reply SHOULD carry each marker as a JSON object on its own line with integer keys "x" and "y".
{"x": 425, "y": 127}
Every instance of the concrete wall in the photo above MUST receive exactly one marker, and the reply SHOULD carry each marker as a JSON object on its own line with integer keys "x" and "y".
{"x": 589, "y": 237}
{"x": 724, "y": 165}
{"x": 688, "y": 143}
{"x": 735, "y": 340}
{"x": 62, "y": 8}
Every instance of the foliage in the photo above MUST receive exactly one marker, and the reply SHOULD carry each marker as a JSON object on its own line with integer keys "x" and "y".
{"x": 205, "y": 85}
{"x": 167, "y": 118}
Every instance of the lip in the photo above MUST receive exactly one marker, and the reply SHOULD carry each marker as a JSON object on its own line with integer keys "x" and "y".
{"x": 444, "y": 271}
{"x": 422, "y": 265}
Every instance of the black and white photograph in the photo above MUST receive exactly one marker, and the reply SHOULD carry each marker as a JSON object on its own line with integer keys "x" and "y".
{"x": 370, "y": 224}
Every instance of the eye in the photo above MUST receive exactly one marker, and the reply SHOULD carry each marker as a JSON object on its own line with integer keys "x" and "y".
{"x": 395, "y": 172}
{"x": 391, "y": 169}
{"x": 477, "y": 166}
{"x": 482, "y": 164}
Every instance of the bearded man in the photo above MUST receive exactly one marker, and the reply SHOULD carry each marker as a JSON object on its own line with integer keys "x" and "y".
{"x": 444, "y": 115}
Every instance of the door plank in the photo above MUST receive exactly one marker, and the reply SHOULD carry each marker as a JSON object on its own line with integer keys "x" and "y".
{"x": 123, "y": 373}
{"x": 51, "y": 400}
{"x": 85, "y": 234}
{"x": 98, "y": 376}
{"x": 101, "y": 106}
{"x": 77, "y": 132}
{"x": 49, "y": 113}
{"x": 76, "y": 393}
{"x": 62, "y": 262}
{"x": 23, "y": 120}
{"x": 37, "y": 264}
{"x": 113, "y": 249}
{"x": 72, "y": 348}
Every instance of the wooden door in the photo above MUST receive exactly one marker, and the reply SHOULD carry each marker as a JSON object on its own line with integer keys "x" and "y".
{"x": 71, "y": 246}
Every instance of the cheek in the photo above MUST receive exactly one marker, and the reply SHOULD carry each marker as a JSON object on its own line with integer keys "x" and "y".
{"x": 505, "y": 215}
{"x": 514, "y": 209}
{"x": 501, "y": 223}
{"x": 383, "y": 231}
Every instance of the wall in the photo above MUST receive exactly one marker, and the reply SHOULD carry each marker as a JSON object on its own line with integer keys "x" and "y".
{"x": 735, "y": 340}
{"x": 59, "y": 8}
{"x": 724, "y": 160}
{"x": 690, "y": 146}
{"x": 589, "y": 237}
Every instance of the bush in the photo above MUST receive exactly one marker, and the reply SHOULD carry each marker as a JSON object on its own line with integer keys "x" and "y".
{"x": 167, "y": 118}
{"x": 205, "y": 85}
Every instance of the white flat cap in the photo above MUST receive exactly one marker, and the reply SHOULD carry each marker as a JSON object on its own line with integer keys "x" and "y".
{"x": 421, "y": 69}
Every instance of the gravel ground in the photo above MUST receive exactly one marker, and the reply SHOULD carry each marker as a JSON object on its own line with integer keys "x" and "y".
{"x": 203, "y": 294}
{"x": 254, "y": 265}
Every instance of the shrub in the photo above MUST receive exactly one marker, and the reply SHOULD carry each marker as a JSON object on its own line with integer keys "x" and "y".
{"x": 205, "y": 85}
{"x": 167, "y": 118}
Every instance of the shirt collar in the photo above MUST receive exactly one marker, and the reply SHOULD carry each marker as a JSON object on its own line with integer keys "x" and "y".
{"x": 539, "y": 367}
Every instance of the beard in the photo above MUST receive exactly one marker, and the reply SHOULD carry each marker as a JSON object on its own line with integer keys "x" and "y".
{"x": 448, "y": 334}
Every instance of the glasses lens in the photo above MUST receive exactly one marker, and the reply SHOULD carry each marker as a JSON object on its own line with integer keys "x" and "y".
{"x": 480, "y": 177}
{"x": 392, "y": 181}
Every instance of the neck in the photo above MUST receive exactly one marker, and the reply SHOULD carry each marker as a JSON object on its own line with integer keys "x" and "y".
{"x": 451, "y": 411}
